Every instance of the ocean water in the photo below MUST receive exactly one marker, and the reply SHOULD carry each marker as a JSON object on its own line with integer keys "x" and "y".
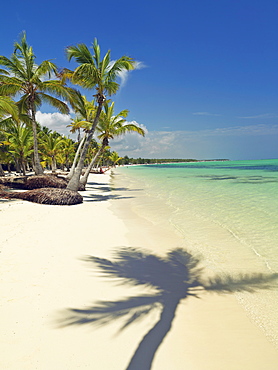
{"x": 226, "y": 211}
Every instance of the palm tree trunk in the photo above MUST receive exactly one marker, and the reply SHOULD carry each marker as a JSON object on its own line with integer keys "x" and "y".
{"x": 144, "y": 355}
{"x": 84, "y": 179}
{"x": 2, "y": 173}
{"x": 23, "y": 167}
{"x": 75, "y": 180}
{"x": 37, "y": 165}
{"x": 53, "y": 164}
{"x": 70, "y": 174}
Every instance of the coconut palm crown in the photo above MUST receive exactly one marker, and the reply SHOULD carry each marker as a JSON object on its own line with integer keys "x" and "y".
{"x": 34, "y": 85}
{"x": 109, "y": 127}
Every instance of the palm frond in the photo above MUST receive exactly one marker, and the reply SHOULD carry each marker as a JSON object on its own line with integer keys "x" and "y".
{"x": 8, "y": 106}
{"x": 111, "y": 87}
{"x": 105, "y": 63}
{"x": 4, "y": 72}
{"x": 96, "y": 49}
{"x": 10, "y": 86}
{"x": 130, "y": 127}
{"x": 86, "y": 75}
{"x": 80, "y": 53}
{"x": 45, "y": 68}
{"x": 23, "y": 104}
{"x": 61, "y": 106}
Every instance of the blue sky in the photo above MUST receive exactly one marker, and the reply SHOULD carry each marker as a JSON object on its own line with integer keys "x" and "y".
{"x": 208, "y": 86}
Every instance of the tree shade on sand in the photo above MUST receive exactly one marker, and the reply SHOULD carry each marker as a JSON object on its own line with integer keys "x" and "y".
{"x": 173, "y": 278}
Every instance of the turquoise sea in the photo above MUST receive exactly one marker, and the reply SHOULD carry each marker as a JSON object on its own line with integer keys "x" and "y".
{"x": 226, "y": 211}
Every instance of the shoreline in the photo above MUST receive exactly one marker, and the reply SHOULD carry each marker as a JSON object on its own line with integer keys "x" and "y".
{"x": 43, "y": 273}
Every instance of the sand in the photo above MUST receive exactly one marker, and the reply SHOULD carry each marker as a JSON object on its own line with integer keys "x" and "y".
{"x": 43, "y": 273}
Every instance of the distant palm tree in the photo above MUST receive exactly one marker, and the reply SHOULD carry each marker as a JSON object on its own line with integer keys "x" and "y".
{"x": 94, "y": 73}
{"x": 23, "y": 76}
{"x": 66, "y": 155}
{"x": 115, "y": 158}
{"x": 20, "y": 144}
{"x": 51, "y": 145}
{"x": 109, "y": 127}
{"x": 173, "y": 278}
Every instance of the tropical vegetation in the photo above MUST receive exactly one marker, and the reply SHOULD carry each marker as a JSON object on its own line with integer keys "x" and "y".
{"x": 110, "y": 125}
{"x": 99, "y": 74}
{"x": 25, "y": 85}
{"x": 34, "y": 85}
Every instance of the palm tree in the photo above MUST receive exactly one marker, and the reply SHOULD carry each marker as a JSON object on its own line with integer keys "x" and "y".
{"x": 8, "y": 114}
{"x": 94, "y": 73}
{"x": 23, "y": 76}
{"x": 66, "y": 155}
{"x": 173, "y": 278}
{"x": 51, "y": 145}
{"x": 20, "y": 144}
{"x": 114, "y": 158}
{"x": 109, "y": 127}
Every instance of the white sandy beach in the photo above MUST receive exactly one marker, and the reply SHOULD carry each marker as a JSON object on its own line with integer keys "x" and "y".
{"x": 42, "y": 274}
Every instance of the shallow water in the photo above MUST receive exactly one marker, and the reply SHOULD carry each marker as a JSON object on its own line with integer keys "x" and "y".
{"x": 227, "y": 211}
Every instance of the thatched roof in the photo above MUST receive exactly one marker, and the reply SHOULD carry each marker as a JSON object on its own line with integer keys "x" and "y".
{"x": 54, "y": 196}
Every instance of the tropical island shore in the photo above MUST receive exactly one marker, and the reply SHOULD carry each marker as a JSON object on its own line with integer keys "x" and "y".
{"x": 44, "y": 273}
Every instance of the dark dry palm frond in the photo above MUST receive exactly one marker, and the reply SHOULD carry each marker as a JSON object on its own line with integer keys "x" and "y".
{"x": 52, "y": 196}
{"x": 45, "y": 181}
{"x": 34, "y": 182}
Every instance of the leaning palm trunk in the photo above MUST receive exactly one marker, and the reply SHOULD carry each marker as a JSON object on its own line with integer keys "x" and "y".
{"x": 75, "y": 180}
{"x": 84, "y": 179}
{"x": 37, "y": 165}
{"x": 70, "y": 174}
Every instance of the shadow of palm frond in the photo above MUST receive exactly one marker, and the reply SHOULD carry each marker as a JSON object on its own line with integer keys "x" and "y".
{"x": 241, "y": 283}
{"x": 173, "y": 278}
{"x": 131, "y": 309}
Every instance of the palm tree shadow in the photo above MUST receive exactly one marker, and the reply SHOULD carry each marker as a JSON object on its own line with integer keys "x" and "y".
{"x": 174, "y": 278}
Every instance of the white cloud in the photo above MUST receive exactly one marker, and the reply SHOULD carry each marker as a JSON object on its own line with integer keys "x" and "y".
{"x": 228, "y": 142}
{"x": 55, "y": 121}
